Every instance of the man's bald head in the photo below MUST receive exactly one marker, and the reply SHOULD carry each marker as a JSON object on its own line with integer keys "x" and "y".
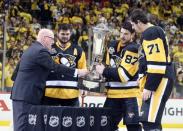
{"x": 46, "y": 37}
{"x": 44, "y": 33}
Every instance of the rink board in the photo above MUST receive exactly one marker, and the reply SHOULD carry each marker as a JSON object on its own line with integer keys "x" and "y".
{"x": 172, "y": 117}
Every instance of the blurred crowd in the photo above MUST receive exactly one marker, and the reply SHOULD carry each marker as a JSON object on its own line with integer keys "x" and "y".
{"x": 24, "y": 19}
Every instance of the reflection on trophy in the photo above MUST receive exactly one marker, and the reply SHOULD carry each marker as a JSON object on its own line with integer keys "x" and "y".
{"x": 93, "y": 81}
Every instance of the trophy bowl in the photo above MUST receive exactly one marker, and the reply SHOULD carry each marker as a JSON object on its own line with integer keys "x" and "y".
{"x": 92, "y": 85}
{"x": 93, "y": 81}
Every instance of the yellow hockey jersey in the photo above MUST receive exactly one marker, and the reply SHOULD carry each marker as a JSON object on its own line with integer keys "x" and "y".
{"x": 60, "y": 86}
{"x": 122, "y": 72}
{"x": 155, "y": 62}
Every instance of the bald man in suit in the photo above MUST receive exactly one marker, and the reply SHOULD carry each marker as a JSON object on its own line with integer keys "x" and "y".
{"x": 34, "y": 67}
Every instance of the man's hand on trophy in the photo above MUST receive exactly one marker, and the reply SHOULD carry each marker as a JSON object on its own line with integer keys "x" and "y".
{"x": 82, "y": 72}
{"x": 100, "y": 68}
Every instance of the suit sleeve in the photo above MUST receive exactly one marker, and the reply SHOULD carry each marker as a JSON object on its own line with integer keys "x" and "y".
{"x": 44, "y": 59}
{"x": 15, "y": 72}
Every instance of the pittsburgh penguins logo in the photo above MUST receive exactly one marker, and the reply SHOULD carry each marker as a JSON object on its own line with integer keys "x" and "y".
{"x": 111, "y": 50}
{"x": 115, "y": 61}
{"x": 66, "y": 59}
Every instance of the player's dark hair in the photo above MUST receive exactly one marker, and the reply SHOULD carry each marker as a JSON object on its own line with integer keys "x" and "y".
{"x": 128, "y": 26}
{"x": 138, "y": 15}
{"x": 64, "y": 27}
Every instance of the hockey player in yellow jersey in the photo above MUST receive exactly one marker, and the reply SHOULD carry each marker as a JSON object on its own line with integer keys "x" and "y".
{"x": 63, "y": 90}
{"x": 122, "y": 74}
{"x": 155, "y": 70}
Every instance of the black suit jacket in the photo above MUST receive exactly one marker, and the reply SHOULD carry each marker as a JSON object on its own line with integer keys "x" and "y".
{"x": 35, "y": 66}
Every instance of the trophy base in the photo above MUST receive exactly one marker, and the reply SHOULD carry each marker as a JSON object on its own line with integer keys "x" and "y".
{"x": 92, "y": 85}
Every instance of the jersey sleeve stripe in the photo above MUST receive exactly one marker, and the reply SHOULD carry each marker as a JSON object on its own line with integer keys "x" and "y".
{"x": 123, "y": 76}
{"x": 160, "y": 69}
{"x": 61, "y": 83}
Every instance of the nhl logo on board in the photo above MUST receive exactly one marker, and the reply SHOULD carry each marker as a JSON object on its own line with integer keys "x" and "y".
{"x": 80, "y": 120}
{"x": 54, "y": 121}
{"x": 103, "y": 120}
{"x": 32, "y": 119}
{"x": 67, "y": 121}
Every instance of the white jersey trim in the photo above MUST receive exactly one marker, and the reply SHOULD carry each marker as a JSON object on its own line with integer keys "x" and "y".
{"x": 161, "y": 67}
{"x": 62, "y": 83}
{"x": 119, "y": 84}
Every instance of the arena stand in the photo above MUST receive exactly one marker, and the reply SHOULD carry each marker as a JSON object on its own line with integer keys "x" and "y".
{"x": 26, "y": 17}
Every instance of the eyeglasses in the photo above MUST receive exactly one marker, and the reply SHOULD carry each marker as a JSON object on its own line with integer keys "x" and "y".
{"x": 50, "y": 37}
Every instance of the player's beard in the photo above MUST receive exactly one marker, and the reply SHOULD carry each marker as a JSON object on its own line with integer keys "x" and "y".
{"x": 125, "y": 41}
{"x": 63, "y": 42}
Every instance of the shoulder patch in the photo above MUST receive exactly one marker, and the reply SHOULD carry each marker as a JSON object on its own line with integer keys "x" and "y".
{"x": 111, "y": 50}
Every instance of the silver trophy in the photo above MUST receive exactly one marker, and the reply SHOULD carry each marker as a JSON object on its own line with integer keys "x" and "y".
{"x": 94, "y": 82}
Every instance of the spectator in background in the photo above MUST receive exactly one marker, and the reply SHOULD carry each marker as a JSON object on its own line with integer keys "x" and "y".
{"x": 178, "y": 55}
{"x": 9, "y": 68}
{"x": 180, "y": 22}
{"x": 45, "y": 13}
{"x": 179, "y": 81}
{"x": 83, "y": 40}
{"x": 35, "y": 25}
